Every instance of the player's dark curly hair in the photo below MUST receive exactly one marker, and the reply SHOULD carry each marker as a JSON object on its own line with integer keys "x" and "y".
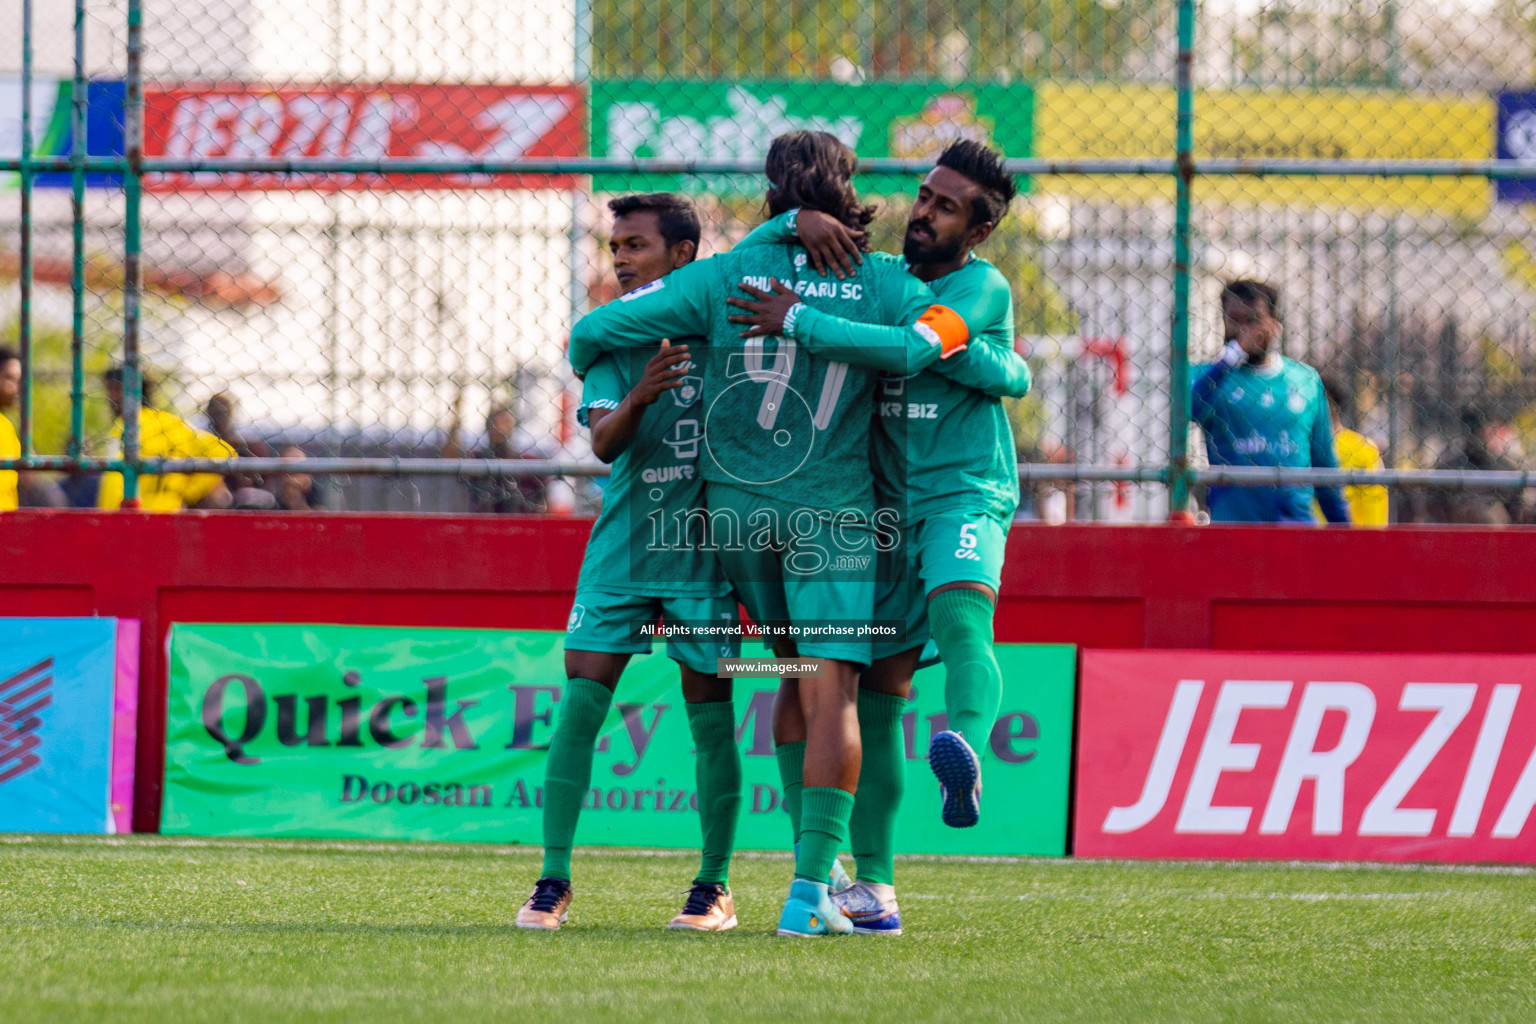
{"x": 813, "y": 171}
{"x": 676, "y": 217}
{"x": 983, "y": 166}
{"x": 1250, "y": 292}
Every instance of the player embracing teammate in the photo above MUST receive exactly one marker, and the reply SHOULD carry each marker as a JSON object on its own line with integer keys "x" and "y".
{"x": 643, "y": 410}
{"x": 944, "y": 456}
{"x": 789, "y": 492}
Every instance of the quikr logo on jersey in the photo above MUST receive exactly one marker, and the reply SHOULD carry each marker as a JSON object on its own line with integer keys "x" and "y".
{"x": 663, "y": 474}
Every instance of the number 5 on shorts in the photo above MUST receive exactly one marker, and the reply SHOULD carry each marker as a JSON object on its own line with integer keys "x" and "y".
{"x": 967, "y": 549}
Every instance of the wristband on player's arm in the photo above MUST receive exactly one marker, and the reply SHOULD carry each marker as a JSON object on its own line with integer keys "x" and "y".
{"x": 792, "y": 318}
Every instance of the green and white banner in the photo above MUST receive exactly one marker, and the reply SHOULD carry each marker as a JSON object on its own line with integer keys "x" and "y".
{"x": 690, "y": 120}
{"x": 440, "y": 734}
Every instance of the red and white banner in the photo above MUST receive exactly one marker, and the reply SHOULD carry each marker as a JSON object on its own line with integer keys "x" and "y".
{"x": 1326, "y": 756}
{"x": 330, "y": 122}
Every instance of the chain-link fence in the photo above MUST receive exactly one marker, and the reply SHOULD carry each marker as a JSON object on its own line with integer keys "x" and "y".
{"x": 359, "y": 232}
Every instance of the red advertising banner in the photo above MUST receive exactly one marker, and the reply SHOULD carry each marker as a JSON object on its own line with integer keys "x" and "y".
{"x": 332, "y": 122}
{"x": 1391, "y": 757}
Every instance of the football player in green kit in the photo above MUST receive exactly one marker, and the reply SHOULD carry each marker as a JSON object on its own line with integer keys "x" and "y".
{"x": 787, "y": 474}
{"x": 644, "y": 411}
{"x": 944, "y": 454}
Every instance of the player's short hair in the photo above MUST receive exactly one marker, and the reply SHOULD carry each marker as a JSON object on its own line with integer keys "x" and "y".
{"x": 675, "y": 216}
{"x": 7, "y": 354}
{"x": 1250, "y": 292}
{"x": 147, "y": 388}
{"x": 984, "y": 167}
{"x": 814, "y": 171}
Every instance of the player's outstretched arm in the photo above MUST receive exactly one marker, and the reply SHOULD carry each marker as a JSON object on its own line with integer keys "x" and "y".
{"x": 990, "y": 368}
{"x": 932, "y": 333}
{"x": 675, "y": 306}
{"x": 989, "y": 364}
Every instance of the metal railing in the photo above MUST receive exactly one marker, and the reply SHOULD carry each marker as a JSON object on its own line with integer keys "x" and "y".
{"x": 1184, "y": 172}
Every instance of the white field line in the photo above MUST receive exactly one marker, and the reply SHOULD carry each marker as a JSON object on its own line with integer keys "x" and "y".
{"x": 483, "y": 849}
{"x": 1167, "y": 894}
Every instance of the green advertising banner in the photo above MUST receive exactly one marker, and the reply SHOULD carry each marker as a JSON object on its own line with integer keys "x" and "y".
{"x": 689, "y": 120}
{"x": 439, "y": 734}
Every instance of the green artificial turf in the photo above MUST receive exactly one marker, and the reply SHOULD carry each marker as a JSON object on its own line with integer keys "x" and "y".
{"x": 171, "y": 931}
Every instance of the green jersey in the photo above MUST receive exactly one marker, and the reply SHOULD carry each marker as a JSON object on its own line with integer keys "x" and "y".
{"x": 653, "y": 486}
{"x": 951, "y": 444}
{"x": 942, "y": 439}
{"x": 778, "y": 421}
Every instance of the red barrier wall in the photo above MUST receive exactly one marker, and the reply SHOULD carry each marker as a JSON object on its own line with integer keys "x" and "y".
{"x": 1233, "y": 588}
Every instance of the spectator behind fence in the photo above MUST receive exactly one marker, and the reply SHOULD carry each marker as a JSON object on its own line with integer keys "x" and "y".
{"x": 34, "y": 489}
{"x": 163, "y": 435}
{"x": 246, "y": 489}
{"x": 1478, "y": 450}
{"x": 499, "y": 494}
{"x": 294, "y": 492}
{"x": 1258, "y": 408}
{"x": 1367, "y": 503}
{"x": 10, "y": 444}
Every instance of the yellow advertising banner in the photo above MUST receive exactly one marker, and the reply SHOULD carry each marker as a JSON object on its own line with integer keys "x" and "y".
{"x": 1114, "y": 121}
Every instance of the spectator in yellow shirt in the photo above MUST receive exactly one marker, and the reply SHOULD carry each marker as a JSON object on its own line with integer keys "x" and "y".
{"x": 1367, "y": 503}
{"x": 10, "y": 444}
{"x": 164, "y": 435}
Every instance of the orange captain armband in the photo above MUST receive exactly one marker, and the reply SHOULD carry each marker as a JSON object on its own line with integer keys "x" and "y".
{"x": 945, "y": 328}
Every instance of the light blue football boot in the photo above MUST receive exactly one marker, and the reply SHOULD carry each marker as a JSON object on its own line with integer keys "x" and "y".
{"x": 808, "y": 912}
{"x": 837, "y": 879}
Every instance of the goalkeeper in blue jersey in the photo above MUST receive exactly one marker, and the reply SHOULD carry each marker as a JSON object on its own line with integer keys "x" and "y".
{"x": 944, "y": 454}
{"x": 787, "y": 477}
{"x": 1258, "y": 408}
{"x": 644, "y": 407}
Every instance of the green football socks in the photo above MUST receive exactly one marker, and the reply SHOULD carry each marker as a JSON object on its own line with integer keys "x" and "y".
{"x": 791, "y": 777}
{"x": 824, "y": 829}
{"x": 568, "y": 770}
{"x": 961, "y": 621}
{"x": 882, "y": 780}
{"x": 719, "y": 784}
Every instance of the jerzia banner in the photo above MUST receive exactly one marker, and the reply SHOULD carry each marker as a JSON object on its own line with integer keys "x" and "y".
{"x": 68, "y": 704}
{"x": 440, "y": 734}
{"x": 1336, "y": 756}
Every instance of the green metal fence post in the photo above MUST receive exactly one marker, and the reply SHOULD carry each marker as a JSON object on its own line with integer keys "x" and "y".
{"x": 77, "y": 154}
{"x": 24, "y": 328}
{"x": 133, "y": 181}
{"x": 581, "y": 73}
{"x": 1178, "y": 369}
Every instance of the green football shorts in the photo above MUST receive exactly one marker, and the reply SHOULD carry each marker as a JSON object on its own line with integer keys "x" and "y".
{"x": 957, "y": 548}
{"x": 614, "y": 623}
{"x": 801, "y": 566}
